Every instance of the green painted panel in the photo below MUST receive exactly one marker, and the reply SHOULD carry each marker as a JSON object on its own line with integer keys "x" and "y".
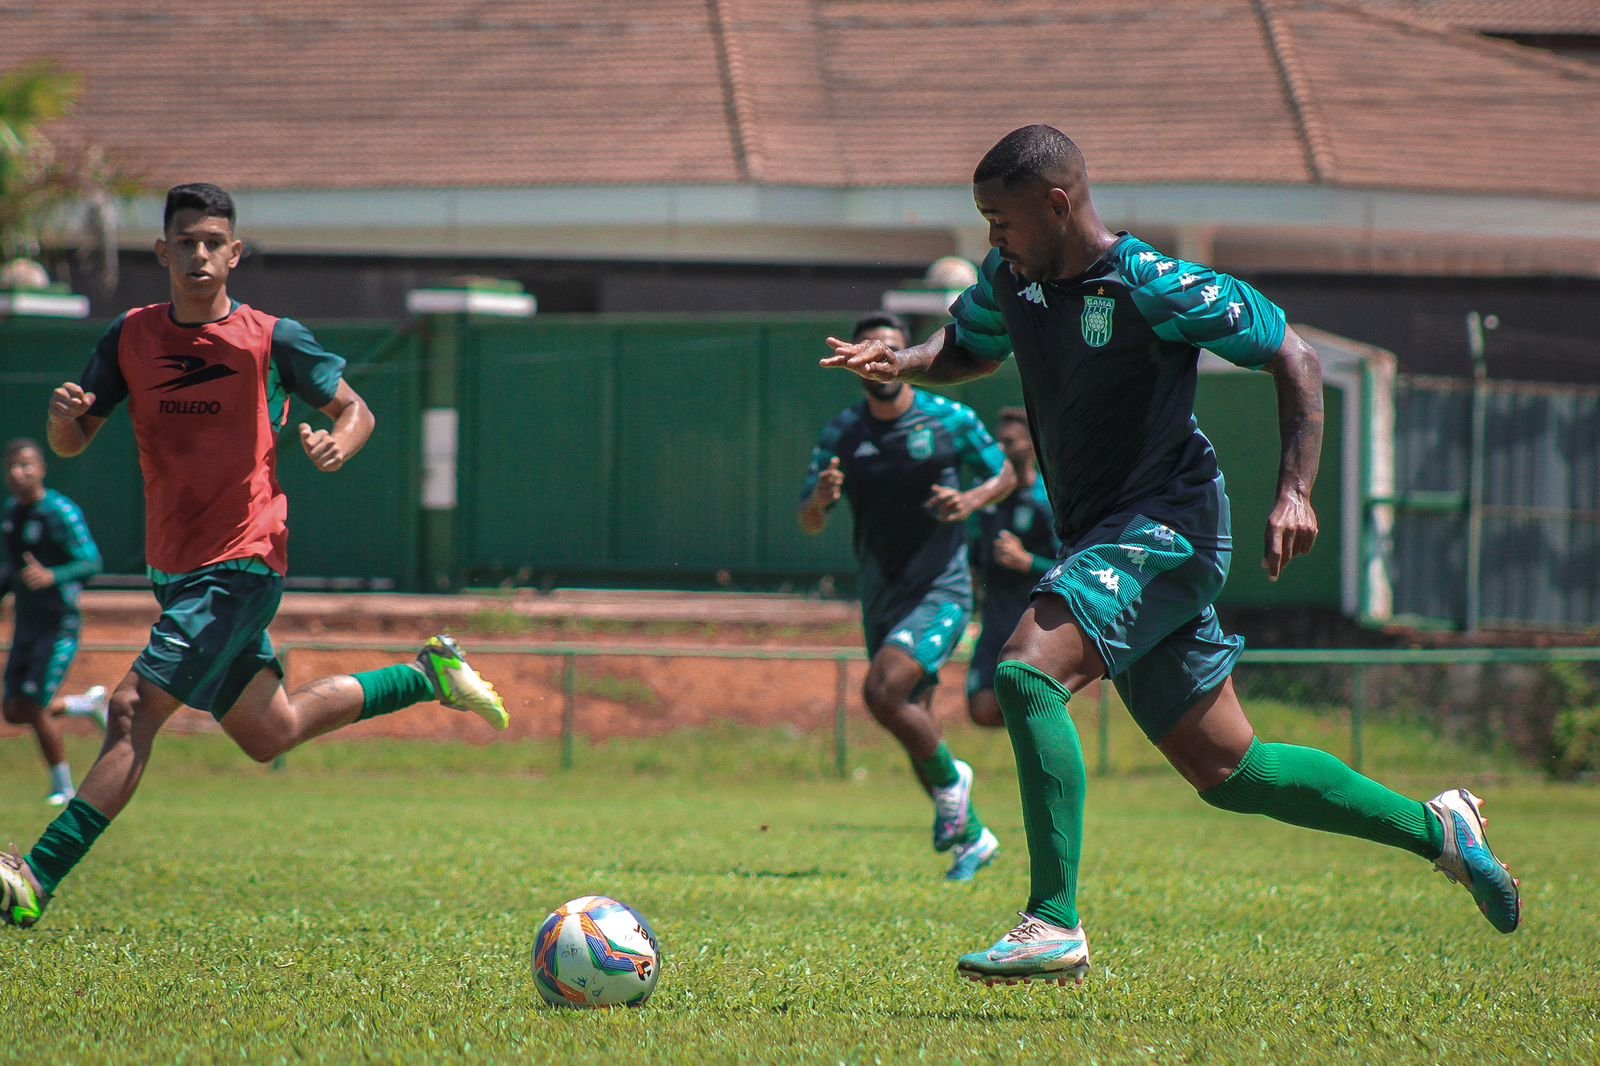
{"x": 1239, "y": 413}
{"x": 36, "y": 356}
{"x": 537, "y": 450}
{"x": 361, "y": 521}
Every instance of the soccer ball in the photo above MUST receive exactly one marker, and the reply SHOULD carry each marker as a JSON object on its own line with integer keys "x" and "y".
{"x": 595, "y": 952}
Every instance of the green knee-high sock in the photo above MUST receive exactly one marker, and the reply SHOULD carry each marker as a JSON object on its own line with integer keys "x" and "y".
{"x": 387, "y": 690}
{"x": 1307, "y": 787}
{"x": 1053, "y": 779}
{"x": 66, "y": 841}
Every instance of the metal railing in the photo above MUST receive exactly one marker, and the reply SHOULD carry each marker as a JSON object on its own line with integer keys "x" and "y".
{"x": 1359, "y": 661}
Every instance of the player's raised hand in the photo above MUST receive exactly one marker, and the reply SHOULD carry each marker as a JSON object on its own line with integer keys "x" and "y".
{"x": 1291, "y": 531}
{"x": 830, "y": 485}
{"x": 948, "y": 504}
{"x": 33, "y": 575}
{"x": 323, "y": 448}
{"x": 69, "y": 401}
{"x": 1009, "y": 552}
{"x": 871, "y": 359}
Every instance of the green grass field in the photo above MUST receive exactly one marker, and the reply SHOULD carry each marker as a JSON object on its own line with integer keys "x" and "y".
{"x": 377, "y": 901}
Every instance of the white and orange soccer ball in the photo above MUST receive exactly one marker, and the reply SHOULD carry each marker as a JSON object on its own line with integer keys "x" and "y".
{"x": 595, "y": 952}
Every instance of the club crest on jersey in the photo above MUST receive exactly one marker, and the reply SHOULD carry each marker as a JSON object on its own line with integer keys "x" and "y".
{"x": 1022, "y": 519}
{"x": 919, "y": 442}
{"x": 1096, "y": 320}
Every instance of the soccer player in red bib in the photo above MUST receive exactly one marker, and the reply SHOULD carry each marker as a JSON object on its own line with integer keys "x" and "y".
{"x": 207, "y": 381}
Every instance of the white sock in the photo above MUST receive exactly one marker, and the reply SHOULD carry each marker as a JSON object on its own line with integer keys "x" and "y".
{"x": 61, "y": 777}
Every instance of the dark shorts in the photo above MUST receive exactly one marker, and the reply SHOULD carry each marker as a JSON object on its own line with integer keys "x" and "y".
{"x": 999, "y": 621}
{"x": 1143, "y": 593}
{"x": 40, "y": 656}
{"x": 928, "y": 632}
{"x": 211, "y": 638}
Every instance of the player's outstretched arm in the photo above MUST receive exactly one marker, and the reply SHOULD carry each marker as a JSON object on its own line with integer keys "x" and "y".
{"x": 937, "y": 360}
{"x": 70, "y": 427}
{"x": 1292, "y": 525}
{"x": 352, "y": 428}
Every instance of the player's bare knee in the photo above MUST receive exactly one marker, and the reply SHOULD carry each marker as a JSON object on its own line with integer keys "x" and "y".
{"x": 121, "y": 712}
{"x": 884, "y": 694}
{"x": 984, "y": 710}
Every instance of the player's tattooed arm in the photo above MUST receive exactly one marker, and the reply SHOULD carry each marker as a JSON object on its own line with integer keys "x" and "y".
{"x": 70, "y": 427}
{"x": 1292, "y": 525}
{"x": 937, "y": 360}
{"x": 352, "y": 428}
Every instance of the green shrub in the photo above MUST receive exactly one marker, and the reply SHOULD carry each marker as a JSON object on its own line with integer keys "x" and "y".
{"x": 1575, "y": 747}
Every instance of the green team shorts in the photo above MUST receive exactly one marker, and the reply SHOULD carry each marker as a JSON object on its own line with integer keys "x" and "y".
{"x": 1143, "y": 593}
{"x": 40, "y": 656}
{"x": 928, "y": 632}
{"x": 211, "y": 638}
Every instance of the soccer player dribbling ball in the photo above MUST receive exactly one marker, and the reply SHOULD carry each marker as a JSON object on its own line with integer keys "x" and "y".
{"x": 208, "y": 380}
{"x": 46, "y": 554}
{"x": 897, "y": 458}
{"x": 1106, "y": 332}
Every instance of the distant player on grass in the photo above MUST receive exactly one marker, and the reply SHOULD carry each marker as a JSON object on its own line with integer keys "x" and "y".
{"x": 1106, "y": 330}
{"x": 1015, "y": 546}
{"x": 898, "y": 457}
{"x": 207, "y": 382}
{"x": 47, "y": 556}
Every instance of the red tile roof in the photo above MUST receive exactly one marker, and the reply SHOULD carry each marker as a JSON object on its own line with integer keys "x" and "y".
{"x": 1575, "y": 17}
{"x": 834, "y": 93}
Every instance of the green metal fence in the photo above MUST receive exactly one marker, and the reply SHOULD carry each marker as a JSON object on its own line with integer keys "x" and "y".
{"x": 1368, "y": 679}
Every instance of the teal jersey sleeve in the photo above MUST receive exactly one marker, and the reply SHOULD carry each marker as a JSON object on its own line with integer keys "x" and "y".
{"x": 1188, "y": 302}
{"x": 306, "y": 368}
{"x": 822, "y": 453}
{"x": 979, "y": 450}
{"x": 71, "y": 533}
{"x": 980, "y": 328}
{"x": 103, "y": 374}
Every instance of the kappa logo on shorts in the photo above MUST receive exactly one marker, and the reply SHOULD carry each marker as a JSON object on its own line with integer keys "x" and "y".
{"x": 1109, "y": 578}
{"x": 902, "y": 636}
{"x": 192, "y": 371}
{"x": 1136, "y": 555}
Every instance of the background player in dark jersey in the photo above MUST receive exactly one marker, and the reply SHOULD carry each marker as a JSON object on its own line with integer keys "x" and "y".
{"x": 1015, "y": 546}
{"x": 1106, "y": 331}
{"x": 897, "y": 457}
{"x": 47, "y": 556}
{"x": 207, "y": 382}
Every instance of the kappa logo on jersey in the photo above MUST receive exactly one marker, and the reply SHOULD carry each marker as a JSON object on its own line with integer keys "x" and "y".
{"x": 192, "y": 370}
{"x": 865, "y": 450}
{"x": 1136, "y": 555}
{"x": 1096, "y": 320}
{"x": 1034, "y": 294}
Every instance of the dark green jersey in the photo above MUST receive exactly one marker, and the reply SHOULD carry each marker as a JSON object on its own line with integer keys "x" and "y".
{"x": 890, "y": 470}
{"x": 1109, "y": 366}
{"x": 54, "y": 533}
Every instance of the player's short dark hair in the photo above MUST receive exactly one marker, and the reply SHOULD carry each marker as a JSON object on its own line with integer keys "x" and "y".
{"x": 1037, "y": 151}
{"x": 210, "y": 200}
{"x": 878, "y": 320}
{"x": 1014, "y": 414}
{"x": 22, "y": 444}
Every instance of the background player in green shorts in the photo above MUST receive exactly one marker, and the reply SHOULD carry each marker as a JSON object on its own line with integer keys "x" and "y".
{"x": 898, "y": 458}
{"x": 1015, "y": 546}
{"x": 1106, "y": 331}
{"x": 48, "y": 554}
{"x": 208, "y": 381}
